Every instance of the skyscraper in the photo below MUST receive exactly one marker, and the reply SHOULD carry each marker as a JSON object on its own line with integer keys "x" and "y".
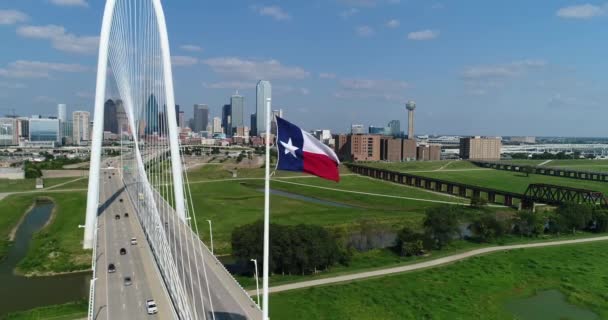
{"x": 217, "y": 125}
{"x": 110, "y": 118}
{"x": 80, "y": 126}
{"x": 151, "y": 115}
{"x": 410, "y": 106}
{"x": 237, "y": 103}
{"x": 181, "y": 119}
{"x": 61, "y": 112}
{"x": 263, "y": 92}
{"x": 254, "y": 125}
{"x": 227, "y": 119}
{"x": 121, "y": 117}
{"x": 201, "y": 117}
{"x": 62, "y": 117}
{"x": 357, "y": 129}
{"x": 395, "y": 128}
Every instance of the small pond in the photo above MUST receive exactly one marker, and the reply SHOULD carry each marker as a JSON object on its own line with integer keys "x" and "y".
{"x": 548, "y": 305}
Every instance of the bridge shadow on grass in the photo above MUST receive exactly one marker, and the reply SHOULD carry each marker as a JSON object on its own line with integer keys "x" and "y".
{"x": 110, "y": 200}
{"x": 225, "y": 316}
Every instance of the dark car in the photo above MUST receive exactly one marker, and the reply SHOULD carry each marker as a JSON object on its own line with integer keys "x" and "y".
{"x": 120, "y": 200}
{"x": 111, "y": 268}
{"x": 123, "y": 251}
{"x": 128, "y": 281}
{"x": 117, "y": 217}
{"x": 126, "y": 214}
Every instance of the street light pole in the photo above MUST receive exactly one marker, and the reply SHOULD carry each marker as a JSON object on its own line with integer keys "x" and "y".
{"x": 257, "y": 283}
{"x": 211, "y": 235}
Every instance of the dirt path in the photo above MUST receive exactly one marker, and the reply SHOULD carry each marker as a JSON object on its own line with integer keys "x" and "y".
{"x": 423, "y": 265}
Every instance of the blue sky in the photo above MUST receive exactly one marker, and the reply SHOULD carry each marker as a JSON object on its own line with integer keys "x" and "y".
{"x": 482, "y": 67}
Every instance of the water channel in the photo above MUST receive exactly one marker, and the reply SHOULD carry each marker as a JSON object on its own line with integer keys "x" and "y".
{"x": 548, "y": 305}
{"x": 21, "y": 293}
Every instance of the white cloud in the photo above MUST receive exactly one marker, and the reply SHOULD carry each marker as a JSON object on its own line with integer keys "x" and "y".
{"x": 70, "y": 3}
{"x": 233, "y": 85}
{"x": 367, "y": 3}
{"x": 584, "y": 11}
{"x": 272, "y": 11}
{"x": 423, "y": 35}
{"x": 503, "y": 71}
{"x": 12, "y": 85}
{"x": 191, "y": 48}
{"x": 242, "y": 69}
{"x": 45, "y": 99}
{"x": 183, "y": 61}
{"x": 38, "y": 69}
{"x": 60, "y": 39}
{"x": 85, "y": 95}
{"x": 326, "y": 75}
{"x": 390, "y": 90}
{"x": 304, "y": 91}
{"x": 348, "y": 13}
{"x": 12, "y": 17}
{"x": 393, "y": 23}
{"x": 365, "y": 31}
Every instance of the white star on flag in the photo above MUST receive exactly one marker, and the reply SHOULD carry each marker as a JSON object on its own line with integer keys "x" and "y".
{"x": 290, "y": 148}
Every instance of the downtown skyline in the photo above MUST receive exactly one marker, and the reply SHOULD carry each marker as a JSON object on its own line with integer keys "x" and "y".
{"x": 469, "y": 70}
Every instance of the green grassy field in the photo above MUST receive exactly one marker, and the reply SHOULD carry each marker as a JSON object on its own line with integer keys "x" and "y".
{"x": 68, "y": 311}
{"x": 11, "y": 210}
{"x": 477, "y": 288}
{"x": 7, "y": 185}
{"x": 422, "y": 165}
{"x": 58, "y": 247}
{"x": 512, "y": 181}
{"x": 237, "y": 202}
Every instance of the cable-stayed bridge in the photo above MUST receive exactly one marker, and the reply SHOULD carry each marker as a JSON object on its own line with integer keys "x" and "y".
{"x": 144, "y": 193}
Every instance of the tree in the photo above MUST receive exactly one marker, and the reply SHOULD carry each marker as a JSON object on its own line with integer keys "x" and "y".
{"x": 410, "y": 243}
{"x": 478, "y": 202}
{"x": 572, "y": 217}
{"x": 301, "y": 249}
{"x": 530, "y": 224}
{"x": 599, "y": 221}
{"x": 486, "y": 227}
{"x": 441, "y": 224}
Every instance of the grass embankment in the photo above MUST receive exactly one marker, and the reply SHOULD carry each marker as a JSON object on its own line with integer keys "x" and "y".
{"x": 512, "y": 181}
{"x": 58, "y": 247}
{"x": 11, "y": 210}
{"x": 476, "y": 288}
{"x": 237, "y": 202}
{"x": 68, "y": 311}
{"x": 7, "y": 185}
{"x": 422, "y": 165}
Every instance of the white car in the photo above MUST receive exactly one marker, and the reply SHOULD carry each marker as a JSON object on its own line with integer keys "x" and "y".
{"x": 133, "y": 241}
{"x": 151, "y": 306}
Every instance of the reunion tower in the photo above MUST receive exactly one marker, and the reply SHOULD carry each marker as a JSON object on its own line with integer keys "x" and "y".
{"x": 410, "y": 106}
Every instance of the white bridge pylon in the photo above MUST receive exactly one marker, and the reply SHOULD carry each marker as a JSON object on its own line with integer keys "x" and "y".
{"x": 129, "y": 99}
{"x": 134, "y": 68}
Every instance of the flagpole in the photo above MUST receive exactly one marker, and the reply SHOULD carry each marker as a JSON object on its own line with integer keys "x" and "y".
{"x": 266, "y": 215}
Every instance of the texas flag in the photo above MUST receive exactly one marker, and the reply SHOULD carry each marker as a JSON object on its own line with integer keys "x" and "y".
{"x": 300, "y": 151}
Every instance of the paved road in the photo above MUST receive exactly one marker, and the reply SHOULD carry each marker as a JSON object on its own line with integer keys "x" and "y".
{"x": 114, "y": 300}
{"x": 209, "y": 286}
{"x": 423, "y": 265}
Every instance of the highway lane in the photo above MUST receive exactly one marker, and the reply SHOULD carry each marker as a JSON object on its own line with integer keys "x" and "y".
{"x": 205, "y": 278}
{"x": 113, "y": 299}
{"x": 195, "y": 263}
